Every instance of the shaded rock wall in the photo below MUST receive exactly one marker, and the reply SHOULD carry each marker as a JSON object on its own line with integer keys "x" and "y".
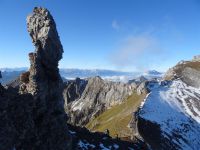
{"x": 44, "y": 83}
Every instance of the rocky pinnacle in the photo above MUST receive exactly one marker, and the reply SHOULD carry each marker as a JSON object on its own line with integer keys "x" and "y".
{"x": 44, "y": 83}
{"x": 43, "y": 72}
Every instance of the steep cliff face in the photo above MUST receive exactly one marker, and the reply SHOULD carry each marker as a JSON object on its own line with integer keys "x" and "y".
{"x": 169, "y": 117}
{"x": 96, "y": 96}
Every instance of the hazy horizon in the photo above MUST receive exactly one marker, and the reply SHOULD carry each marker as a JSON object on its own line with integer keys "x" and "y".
{"x": 89, "y": 69}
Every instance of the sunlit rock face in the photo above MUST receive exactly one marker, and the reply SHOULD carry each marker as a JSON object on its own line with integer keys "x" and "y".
{"x": 85, "y": 99}
{"x": 187, "y": 71}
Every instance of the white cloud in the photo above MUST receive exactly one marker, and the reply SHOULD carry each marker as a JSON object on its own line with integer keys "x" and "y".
{"x": 115, "y": 25}
{"x": 136, "y": 52}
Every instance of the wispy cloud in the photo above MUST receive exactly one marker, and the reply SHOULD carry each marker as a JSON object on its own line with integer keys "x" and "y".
{"x": 136, "y": 51}
{"x": 146, "y": 47}
{"x": 115, "y": 25}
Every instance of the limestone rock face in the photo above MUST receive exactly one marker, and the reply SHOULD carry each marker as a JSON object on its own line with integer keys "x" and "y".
{"x": 48, "y": 52}
{"x": 44, "y": 83}
{"x": 96, "y": 95}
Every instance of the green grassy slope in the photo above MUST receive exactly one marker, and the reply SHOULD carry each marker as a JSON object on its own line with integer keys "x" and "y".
{"x": 116, "y": 119}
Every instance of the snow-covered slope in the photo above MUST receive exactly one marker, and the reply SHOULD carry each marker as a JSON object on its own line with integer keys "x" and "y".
{"x": 174, "y": 107}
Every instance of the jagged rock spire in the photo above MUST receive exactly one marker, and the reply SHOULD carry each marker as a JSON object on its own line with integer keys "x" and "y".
{"x": 48, "y": 52}
{"x": 44, "y": 83}
{"x": 42, "y": 29}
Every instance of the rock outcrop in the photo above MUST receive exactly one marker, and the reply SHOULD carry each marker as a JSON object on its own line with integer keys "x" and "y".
{"x": 97, "y": 96}
{"x": 44, "y": 83}
{"x": 187, "y": 71}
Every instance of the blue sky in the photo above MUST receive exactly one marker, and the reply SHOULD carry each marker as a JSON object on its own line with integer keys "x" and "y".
{"x": 126, "y": 35}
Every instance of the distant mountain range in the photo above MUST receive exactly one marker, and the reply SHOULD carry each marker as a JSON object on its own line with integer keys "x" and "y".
{"x": 10, "y": 74}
